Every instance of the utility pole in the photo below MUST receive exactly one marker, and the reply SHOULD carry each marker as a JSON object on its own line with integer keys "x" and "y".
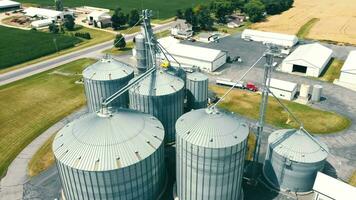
{"x": 269, "y": 55}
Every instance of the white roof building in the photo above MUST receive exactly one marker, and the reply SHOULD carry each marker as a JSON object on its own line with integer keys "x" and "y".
{"x": 329, "y": 188}
{"x": 44, "y": 13}
{"x": 308, "y": 59}
{"x": 7, "y": 4}
{"x": 279, "y": 39}
{"x": 98, "y": 15}
{"x": 348, "y": 70}
{"x": 188, "y": 55}
{"x": 283, "y": 89}
{"x": 41, "y": 23}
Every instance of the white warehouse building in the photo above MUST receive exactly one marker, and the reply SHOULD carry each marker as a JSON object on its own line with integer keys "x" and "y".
{"x": 44, "y": 13}
{"x": 279, "y": 39}
{"x": 308, "y": 59}
{"x": 188, "y": 55}
{"x": 348, "y": 70}
{"x": 283, "y": 89}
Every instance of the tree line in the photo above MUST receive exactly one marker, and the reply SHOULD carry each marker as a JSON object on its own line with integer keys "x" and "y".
{"x": 119, "y": 19}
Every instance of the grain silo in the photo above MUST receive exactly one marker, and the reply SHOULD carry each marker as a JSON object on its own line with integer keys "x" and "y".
{"x": 293, "y": 159}
{"x": 197, "y": 90}
{"x": 161, "y": 95}
{"x": 140, "y": 52}
{"x": 210, "y": 155}
{"x": 316, "y": 94}
{"x": 104, "y": 78}
{"x": 112, "y": 155}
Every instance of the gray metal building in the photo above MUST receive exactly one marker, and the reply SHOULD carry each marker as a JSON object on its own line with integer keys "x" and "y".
{"x": 113, "y": 155}
{"x": 210, "y": 155}
{"x": 161, "y": 95}
{"x": 197, "y": 90}
{"x": 104, "y": 78}
{"x": 293, "y": 160}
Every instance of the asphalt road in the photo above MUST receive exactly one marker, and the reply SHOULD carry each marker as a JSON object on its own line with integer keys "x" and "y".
{"x": 55, "y": 62}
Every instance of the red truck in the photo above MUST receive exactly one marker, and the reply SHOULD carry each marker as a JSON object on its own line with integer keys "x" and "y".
{"x": 242, "y": 85}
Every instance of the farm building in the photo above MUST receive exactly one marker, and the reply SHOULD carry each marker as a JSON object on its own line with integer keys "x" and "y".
{"x": 348, "y": 70}
{"x": 283, "y": 89}
{"x": 6, "y": 5}
{"x": 329, "y": 188}
{"x": 182, "y": 29}
{"x": 99, "y": 19}
{"x": 44, "y": 13}
{"x": 308, "y": 59}
{"x": 41, "y": 23}
{"x": 188, "y": 56}
{"x": 279, "y": 39}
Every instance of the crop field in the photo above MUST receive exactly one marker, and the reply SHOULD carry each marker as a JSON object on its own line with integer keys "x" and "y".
{"x": 32, "y": 105}
{"x": 334, "y": 20}
{"x": 17, "y": 46}
{"x": 162, "y": 8}
{"x": 314, "y": 120}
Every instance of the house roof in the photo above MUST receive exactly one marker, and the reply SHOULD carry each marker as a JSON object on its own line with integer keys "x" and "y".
{"x": 8, "y": 3}
{"x": 350, "y": 63}
{"x": 333, "y": 188}
{"x": 189, "y": 51}
{"x": 283, "y": 85}
{"x": 32, "y": 11}
{"x": 314, "y": 54}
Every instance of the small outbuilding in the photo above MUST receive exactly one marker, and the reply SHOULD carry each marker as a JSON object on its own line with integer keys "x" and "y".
{"x": 348, "y": 70}
{"x": 189, "y": 55}
{"x": 329, "y": 188}
{"x": 308, "y": 60}
{"x": 279, "y": 39}
{"x": 283, "y": 89}
{"x": 99, "y": 19}
{"x": 7, "y": 5}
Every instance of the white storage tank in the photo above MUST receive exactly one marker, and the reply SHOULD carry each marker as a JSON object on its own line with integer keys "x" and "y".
{"x": 197, "y": 90}
{"x": 210, "y": 155}
{"x": 317, "y": 91}
{"x": 161, "y": 95}
{"x": 104, "y": 78}
{"x": 140, "y": 52}
{"x": 111, "y": 155}
{"x": 304, "y": 91}
{"x": 293, "y": 159}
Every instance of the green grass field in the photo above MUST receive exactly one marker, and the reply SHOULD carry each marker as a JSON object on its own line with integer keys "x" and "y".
{"x": 17, "y": 46}
{"x": 314, "y": 120}
{"x": 32, "y": 105}
{"x": 162, "y": 9}
{"x": 333, "y": 72}
{"x": 304, "y": 30}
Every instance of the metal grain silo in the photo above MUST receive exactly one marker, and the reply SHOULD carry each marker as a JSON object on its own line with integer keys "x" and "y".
{"x": 316, "y": 94}
{"x": 140, "y": 52}
{"x": 293, "y": 159}
{"x": 210, "y": 155}
{"x": 117, "y": 155}
{"x": 104, "y": 78}
{"x": 197, "y": 90}
{"x": 161, "y": 95}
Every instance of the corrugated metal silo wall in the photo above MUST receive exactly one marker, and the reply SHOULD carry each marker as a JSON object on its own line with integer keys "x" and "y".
{"x": 140, "y": 53}
{"x": 167, "y": 109}
{"x": 197, "y": 94}
{"x": 97, "y": 91}
{"x": 142, "y": 181}
{"x": 298, "y": 177}
{"x": 207, "y": 173}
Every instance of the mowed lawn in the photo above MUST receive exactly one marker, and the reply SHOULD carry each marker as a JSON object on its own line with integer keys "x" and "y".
{"x": 314, "y": 120}
{"x": 32, "y": 105}
{"x": 162, "y": 8}
{"x": 17, "y": 46}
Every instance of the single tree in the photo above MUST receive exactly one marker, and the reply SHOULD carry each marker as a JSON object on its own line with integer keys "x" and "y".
{"x": 205, "y": 20}
{"x": 191, "y": 18}
{"x": 120, "y": 41}
{"x": 134, "y": 17}
{"x": 255, "y": 10}
{"x": 59, "y": 5}
{"x": 179, "y": 14}
{"x": 53, "y": 28}
{"x": 69, "y": 22}
{"x": 221, "y": 8}
{"x": 118, "y": 19}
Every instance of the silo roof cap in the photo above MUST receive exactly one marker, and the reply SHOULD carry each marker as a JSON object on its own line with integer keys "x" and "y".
{"x": 297, "y": 146}
{"x": 197, "y": 76}
{"x": 159, "y": 83}
{"x": 108, "y": 141}
{"x": 211, "y": 128}
{"x": 107, "y": 69}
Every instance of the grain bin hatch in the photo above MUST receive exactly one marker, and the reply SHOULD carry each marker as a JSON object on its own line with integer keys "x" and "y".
{"x": 104, "y": 78}
{"x": 293, "y": 158}
{"x": 210, "y": 154}
{"x": 97, "y": 153}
